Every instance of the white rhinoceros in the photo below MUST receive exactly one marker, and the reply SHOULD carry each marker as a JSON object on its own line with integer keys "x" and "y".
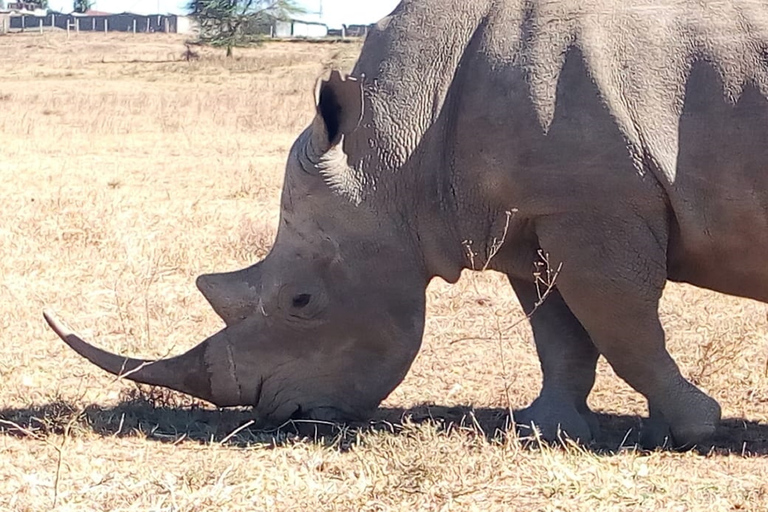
{"x": 630, "y": 139}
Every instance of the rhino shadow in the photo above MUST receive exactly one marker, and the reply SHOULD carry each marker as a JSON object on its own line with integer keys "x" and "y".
{"x": 176, "y": 423}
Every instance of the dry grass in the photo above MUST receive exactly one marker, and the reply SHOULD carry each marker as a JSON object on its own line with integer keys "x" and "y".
{"x": 126, "y": 172}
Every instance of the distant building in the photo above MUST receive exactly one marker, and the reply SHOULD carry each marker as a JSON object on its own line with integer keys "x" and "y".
{"x": 270, "y": 26}
{"x": 23, "y": 6}
{"x": 186, "y": 25}
{"x": 91, "y": 12}
{"x": 299, "y": 28}
{"x": 355, "y": 30}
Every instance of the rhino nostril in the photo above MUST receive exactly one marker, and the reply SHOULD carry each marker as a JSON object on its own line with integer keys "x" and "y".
{"x": 301, "y": 300}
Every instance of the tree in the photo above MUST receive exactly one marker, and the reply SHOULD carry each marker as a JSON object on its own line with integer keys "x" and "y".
{"x": 82, "y": 6}
{"x": 230, "y": 23}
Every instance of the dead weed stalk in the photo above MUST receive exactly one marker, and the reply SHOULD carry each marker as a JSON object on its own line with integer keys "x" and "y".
{"x": 59, "y": 448}
{"x": 544, "y": 276}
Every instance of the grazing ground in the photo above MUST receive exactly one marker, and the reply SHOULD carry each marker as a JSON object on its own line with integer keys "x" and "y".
{"x": 126, "y": 172}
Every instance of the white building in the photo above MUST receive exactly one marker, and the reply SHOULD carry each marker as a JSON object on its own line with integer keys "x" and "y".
{"x": 306, "y": 28}
{"x": 186, "y": 25}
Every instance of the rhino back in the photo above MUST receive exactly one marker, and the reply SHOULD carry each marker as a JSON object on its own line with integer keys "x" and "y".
{"x": 686, "y": 83}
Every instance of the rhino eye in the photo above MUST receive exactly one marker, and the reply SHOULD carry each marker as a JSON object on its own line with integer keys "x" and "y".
{"x": 301, "y": 300}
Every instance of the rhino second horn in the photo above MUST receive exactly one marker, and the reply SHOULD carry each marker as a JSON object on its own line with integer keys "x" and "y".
{"x": 189, "y": 373}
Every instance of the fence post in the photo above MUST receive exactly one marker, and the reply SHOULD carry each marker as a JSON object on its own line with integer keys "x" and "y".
{"x": 23, "y": 22}
{"x": 134, "y": 25}
{"x": 41, "y": 25}
{"x": 106, "y": 25}
{"x": 93, "y": 24}
{"x": 147, "y": 24}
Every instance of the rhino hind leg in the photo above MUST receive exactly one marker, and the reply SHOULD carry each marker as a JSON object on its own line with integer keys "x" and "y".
{"x": 612, "y": 278}
{"x": 568, "y": 359}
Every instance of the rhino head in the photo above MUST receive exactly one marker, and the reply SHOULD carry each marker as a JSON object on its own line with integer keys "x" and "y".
{"x": 328, "y": 324}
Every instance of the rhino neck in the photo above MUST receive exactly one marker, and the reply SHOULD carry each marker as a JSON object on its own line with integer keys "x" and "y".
{"x": 405, "y": 100}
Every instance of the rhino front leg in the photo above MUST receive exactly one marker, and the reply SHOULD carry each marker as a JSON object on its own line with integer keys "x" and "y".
{"x": 614, "y": 271}
{"x": 568, "y": 358}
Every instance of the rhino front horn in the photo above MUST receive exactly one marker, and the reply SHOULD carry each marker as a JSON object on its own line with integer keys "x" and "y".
{"x": 195, "y": 373}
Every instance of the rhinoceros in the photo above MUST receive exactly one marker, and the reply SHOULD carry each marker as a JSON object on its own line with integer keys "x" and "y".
{"x": 628, "y": 141}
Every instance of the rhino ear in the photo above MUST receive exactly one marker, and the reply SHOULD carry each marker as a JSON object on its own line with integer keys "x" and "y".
{"x": 339, "y": 109}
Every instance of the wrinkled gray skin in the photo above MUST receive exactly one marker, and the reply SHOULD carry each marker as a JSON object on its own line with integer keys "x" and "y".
{"x": 629, "y": 141}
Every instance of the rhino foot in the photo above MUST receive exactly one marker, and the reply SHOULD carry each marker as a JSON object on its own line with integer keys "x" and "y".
{"x": 685, "y": 428}
{"x": 557, "y": 420}
{"x": 658, "y": 434}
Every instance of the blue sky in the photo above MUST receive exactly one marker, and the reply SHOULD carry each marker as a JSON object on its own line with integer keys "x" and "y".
{"x": 335, "y": 12}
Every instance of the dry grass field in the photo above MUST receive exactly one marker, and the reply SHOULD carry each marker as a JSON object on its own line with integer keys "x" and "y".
{"x": 125, "y": 172}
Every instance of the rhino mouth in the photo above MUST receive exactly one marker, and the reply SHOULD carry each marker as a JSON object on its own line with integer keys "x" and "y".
{"x": 321, "y": 420}
{"x": 325, "y": 414}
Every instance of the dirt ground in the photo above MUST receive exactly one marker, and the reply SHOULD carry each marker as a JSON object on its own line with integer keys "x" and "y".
{"x": 127, "y": 171}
